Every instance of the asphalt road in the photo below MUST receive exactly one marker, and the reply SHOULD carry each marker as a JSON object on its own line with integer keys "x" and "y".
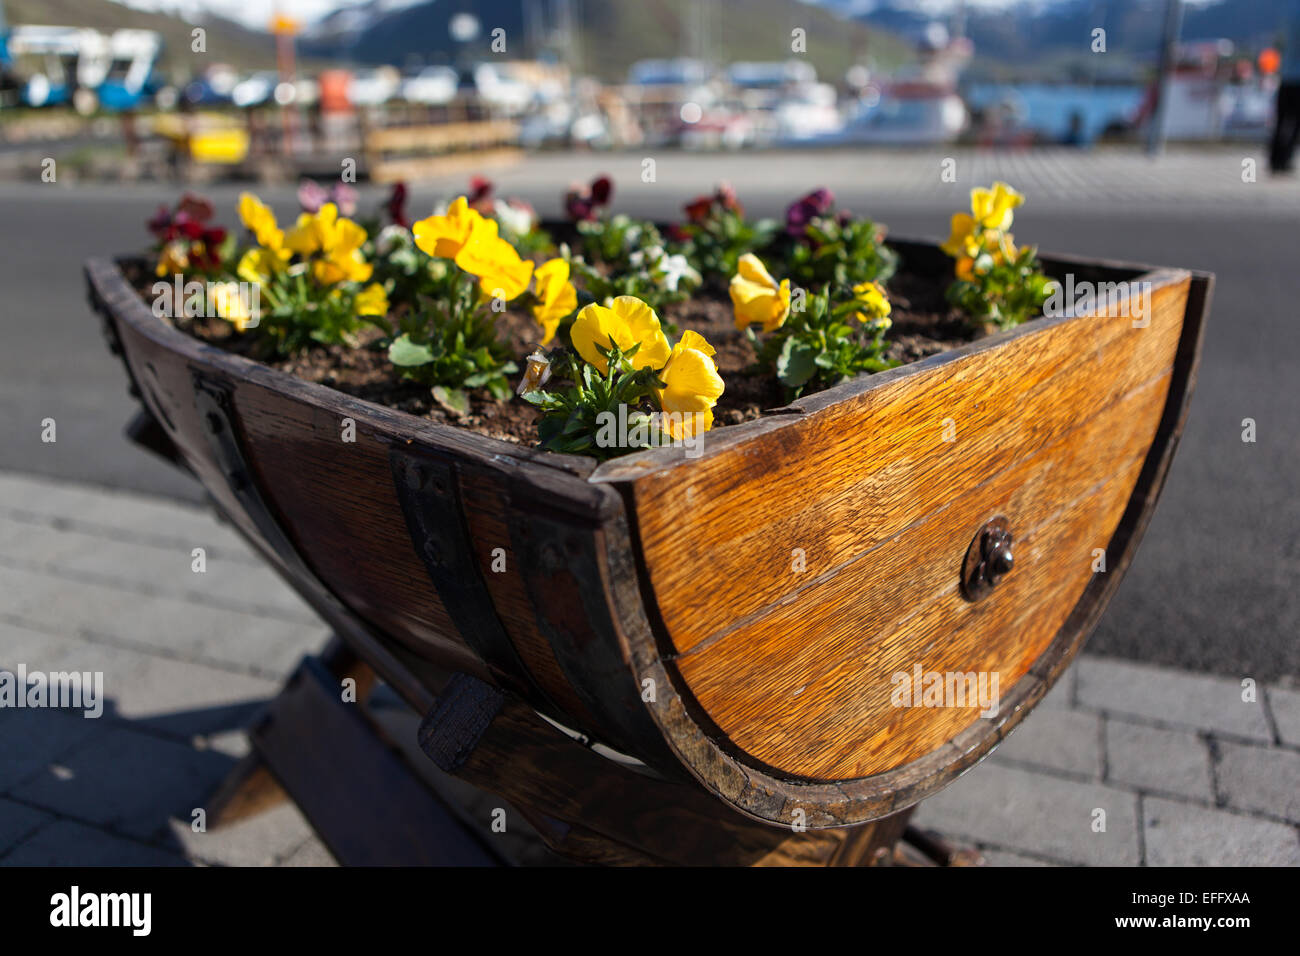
{"x": 1215, "y": 586}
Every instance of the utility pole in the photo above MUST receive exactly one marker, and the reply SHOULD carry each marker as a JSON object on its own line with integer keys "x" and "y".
{"x": 1168, "y": 52}
{"x": 566, "y": 27}
{"x": 533, "y": 28}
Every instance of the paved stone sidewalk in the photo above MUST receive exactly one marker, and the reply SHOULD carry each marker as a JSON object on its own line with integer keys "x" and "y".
{"x": 1184, "y": 771}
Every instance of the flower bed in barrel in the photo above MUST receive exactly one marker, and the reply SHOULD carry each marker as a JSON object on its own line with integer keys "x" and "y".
{"x": 803, "y": 513}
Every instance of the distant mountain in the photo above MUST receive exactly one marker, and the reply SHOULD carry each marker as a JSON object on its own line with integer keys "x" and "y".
{"x": 1032, "y": 31}
{"x": 610, "y": 34}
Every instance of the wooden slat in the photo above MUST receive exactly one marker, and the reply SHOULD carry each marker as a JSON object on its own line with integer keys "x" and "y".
{"x": 442, "y": 136}
{"x": 718, "y": 534}
{"x": 764, "y": 694}
{"x": 487, "y": 505}
{"x": 1012, "y": 629}
{"x": 416, "y": 168}
{"x": 337, "y": 502}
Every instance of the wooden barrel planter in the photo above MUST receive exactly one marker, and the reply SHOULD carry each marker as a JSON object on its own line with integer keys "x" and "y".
{"x": 738, "y": 619}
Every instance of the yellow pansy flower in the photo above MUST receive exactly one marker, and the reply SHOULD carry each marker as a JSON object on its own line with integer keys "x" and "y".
{"x": 872, "y": 304}
{"x": 260, "y": 221}
{"x": 992, "y": 207}
{"x": 1001, "y": 248}
{"x": 962, "y": 241}
{"x": 757, "y": 297}
{"x": 325, "y": 232}
{"x": 372, "y": 300}
{"x": 557, "y": 296}
{"x": 1007, "y": 251}
{"x": 499, "y": 269}
{"x": 338, "y": 241}
{"x": 342, "y": 266}
{"x": 230, "y": 305}
{"x": 173, "y": 260}
{"x": 258, "y": 265}
{"x": 443, "y": 236}
{"x": 692, "y": 386}
{"x": 626, "y": 322}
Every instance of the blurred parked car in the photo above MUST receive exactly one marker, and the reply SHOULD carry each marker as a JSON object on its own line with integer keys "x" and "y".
{"x": 497, "y": 87}
{"x": 255, "y": 90}
{"x": 374, "y": 87}
{"x": 433, "y": 86}
{"x": 213, "y": 87}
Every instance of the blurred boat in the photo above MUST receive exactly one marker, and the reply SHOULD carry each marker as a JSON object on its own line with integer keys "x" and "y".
{"x": 785, "y": 101}
{"x": 916, "y": 107}
{"x": 1211, "y": 96}
{"x": 374, "y": 87}
{"x": 432, "y": 86}
{"x": 255, "y": 89}
{"x": 905, "y": 113}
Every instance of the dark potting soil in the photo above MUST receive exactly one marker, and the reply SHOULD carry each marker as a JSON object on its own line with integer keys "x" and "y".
{"x": 923, "y": 324}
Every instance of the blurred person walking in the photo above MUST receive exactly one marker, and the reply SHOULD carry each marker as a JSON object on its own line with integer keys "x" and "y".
{"x": 1286, "y": 128}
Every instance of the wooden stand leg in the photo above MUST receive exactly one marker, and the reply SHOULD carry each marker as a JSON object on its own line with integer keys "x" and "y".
{"x": 596, "y": 810}
{"x": 248, "y": 790}
{"x": 941, "y": 852}
{"x": 367, "y": 803}
{"x": 371, "y": 807}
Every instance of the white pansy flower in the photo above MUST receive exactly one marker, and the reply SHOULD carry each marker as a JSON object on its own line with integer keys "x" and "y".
{"x": 390, "y": 238}
{"x": 674, "y": 269}
{"x": 516, "y": 219}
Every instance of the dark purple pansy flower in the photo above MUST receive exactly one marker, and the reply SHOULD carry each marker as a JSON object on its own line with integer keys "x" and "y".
{"x": 578, "y": 206}
{"x": 195, "y": 207}
{"x": 161, "y": 224}
{"x": 480, "y": 194}
{"x": 805, "y": 210}
{"x": 397, "y": 204}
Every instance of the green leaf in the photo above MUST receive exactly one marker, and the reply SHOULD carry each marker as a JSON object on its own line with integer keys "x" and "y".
{"x": 797, "y": 363}
{"x": 500, "y": 389}
{"x": 455, "y": 400}
{"x": 405, "y": 353}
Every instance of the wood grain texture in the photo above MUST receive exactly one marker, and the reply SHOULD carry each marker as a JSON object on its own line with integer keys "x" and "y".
{"x": 337, "y": 502}
{"x": 779, "y": 700}
{"x": 883, "y": 513}
{"x": 719, "y": 534}
{"x": 487, "y": 506}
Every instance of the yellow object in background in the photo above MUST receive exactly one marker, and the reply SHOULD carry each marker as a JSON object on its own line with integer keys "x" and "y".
{"x": 210, "y": 137}
{"x": 282, "y": 25}
{"x": 219, "y": 146}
